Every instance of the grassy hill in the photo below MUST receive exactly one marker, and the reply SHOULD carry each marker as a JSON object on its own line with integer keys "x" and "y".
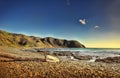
{"x": 21, "y": 40}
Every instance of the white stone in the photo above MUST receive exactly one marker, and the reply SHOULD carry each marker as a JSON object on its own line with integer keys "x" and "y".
{"x": 51, "y": 58}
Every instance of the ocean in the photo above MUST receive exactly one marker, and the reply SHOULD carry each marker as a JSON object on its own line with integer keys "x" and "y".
{"x": 99, "y": 52}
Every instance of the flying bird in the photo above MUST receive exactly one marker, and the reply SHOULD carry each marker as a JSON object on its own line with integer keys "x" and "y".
{"x": 82, "y": 21}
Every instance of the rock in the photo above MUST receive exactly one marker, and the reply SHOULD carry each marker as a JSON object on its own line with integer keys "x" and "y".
{"x": 87, "y": 57}
{"x": 51, "y": 58}
{"x": 109, "y": 60}
{"x": 62, "y": 53}
{"x": 62, "y": 43}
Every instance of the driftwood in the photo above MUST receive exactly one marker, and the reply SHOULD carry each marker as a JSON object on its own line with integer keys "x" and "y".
{"x": 14, "y": 58}
{"x": 11, "y": 58}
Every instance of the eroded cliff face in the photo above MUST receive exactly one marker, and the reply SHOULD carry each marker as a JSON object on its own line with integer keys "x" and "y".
{"x": 20, "y": 40}
{"x": 62, "y": 43}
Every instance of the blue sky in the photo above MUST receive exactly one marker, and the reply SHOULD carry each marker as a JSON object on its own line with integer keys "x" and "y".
{"x": 60, "y": 19}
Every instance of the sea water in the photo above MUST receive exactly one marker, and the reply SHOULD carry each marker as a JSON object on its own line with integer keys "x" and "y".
{"x": 99, "y": 52}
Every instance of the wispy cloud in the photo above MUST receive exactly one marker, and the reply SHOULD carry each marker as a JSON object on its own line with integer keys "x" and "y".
{"x": 68, "y": 2}
{"x": 96, "y": 27}
{"x": 114, "y": 16}
{"x": 4, "y": 25}
{"x": 82, "y": 21}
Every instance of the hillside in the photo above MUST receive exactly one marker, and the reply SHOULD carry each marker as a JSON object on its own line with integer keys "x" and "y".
{"x": 20, "y": 40}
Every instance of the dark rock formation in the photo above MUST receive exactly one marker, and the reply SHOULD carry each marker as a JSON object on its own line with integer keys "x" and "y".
{"x": 63, "y": 43}
{"x": 109, "y": 60}
{"x": 83, "y": 57}
{"x": 63, "y": 53}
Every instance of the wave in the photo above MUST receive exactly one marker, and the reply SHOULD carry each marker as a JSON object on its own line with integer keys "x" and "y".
{"x": 99, "y": 52}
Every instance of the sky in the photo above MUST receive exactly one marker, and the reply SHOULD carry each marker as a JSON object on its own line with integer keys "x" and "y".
{"x": 94, "y": 23}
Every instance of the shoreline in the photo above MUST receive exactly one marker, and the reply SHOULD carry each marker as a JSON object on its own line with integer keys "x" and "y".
{"x": 65, "y": 68}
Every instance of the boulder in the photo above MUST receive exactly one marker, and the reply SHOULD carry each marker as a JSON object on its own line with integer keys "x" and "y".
{"x": 50, "y": 58}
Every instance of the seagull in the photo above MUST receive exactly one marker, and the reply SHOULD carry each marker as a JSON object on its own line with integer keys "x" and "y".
{"x": 82, "y": 21}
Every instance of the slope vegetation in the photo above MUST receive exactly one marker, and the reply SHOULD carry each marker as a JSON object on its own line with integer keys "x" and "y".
{"x": 20, "y": 40}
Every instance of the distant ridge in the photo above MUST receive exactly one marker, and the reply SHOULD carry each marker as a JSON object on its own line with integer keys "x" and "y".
{"x": 21, "y": 40}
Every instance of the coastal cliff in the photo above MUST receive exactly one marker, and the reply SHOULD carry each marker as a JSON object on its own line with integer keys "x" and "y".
{"x": 21, "y": 40}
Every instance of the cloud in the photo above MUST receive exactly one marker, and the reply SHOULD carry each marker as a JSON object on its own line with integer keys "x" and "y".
{"x": 68, "y": 2}
{"x": 114, "y": 16}
{"x": 96, "y": 27}
{"x": 82, "y": 21}
{"x": 4, "y": 25}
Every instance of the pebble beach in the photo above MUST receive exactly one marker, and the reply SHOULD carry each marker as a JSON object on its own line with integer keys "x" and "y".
{"x": 63, "y": 69}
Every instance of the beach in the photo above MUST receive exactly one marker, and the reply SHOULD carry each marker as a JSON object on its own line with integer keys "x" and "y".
{"x": 29, "y": 63}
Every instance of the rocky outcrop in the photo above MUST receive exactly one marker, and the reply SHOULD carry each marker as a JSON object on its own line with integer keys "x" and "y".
{"x": 20, "y": 40}
{"x": 109, "y": 60}
{"x": 62, "y": 43}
